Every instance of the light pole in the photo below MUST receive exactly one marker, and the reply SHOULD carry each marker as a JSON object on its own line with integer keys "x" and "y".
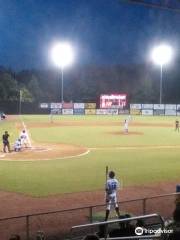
{"x": 161, "y": 55}
{"x": 20, "y": 101}
{"x": 62, "y": 55}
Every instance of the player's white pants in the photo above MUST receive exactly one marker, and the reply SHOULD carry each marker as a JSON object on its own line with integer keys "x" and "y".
{"x": 24, "y": 141}
{"x": 111, "y": 201}
{"x": 17, "y": 148}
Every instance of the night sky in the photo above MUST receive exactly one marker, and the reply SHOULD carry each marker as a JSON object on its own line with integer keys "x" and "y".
{"x": 102, "y": 31}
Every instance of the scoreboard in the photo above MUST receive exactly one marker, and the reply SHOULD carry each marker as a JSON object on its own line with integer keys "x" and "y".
{"x": 113, "y": 100}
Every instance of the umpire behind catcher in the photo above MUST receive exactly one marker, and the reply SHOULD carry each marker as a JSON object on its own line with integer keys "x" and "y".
{"x": 5, "y": 140}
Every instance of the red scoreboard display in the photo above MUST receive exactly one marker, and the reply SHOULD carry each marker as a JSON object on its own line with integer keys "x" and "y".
{"x": 113, "y": 100}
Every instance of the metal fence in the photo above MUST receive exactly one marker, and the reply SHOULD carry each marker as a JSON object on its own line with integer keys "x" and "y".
{"x": 14, "y": 107}
{"x": 119, "y": 224}
{"x": 57, "y": 224}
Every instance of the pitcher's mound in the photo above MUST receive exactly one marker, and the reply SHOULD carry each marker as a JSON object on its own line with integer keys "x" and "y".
{"x": 45, "y": 152}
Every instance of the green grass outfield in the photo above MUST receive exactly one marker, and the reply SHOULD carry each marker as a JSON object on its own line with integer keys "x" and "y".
{"x": 144, "y": 164}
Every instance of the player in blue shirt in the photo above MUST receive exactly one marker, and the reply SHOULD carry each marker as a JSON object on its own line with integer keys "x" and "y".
{"x": 112, "y": 186}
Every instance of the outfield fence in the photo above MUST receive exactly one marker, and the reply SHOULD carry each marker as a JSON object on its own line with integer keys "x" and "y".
{"x": 57, "y": 224}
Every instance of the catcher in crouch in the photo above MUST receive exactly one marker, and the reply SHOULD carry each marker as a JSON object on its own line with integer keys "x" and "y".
{"x": 112, "y": 186}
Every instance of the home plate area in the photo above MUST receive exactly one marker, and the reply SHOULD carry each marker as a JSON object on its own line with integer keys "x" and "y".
{"x": 45, "y": 152}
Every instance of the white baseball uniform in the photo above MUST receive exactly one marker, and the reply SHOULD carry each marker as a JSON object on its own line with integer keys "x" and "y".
{"x": 112, "y": 186}
{"x": 126, "y": 126}
{"x": 24, "y": 138}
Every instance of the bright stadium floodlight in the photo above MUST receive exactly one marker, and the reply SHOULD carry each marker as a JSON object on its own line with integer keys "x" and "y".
{"x": 161, "y": 55}
{"x": 63, "y": 56}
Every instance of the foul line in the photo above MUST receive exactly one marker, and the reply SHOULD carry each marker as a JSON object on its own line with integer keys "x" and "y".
{"x": 47, "y": 159}
{"x": 135, "y": 147}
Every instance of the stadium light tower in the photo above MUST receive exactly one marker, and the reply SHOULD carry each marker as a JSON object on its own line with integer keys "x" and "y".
{"x": 161, "y": 55}
{"x": 63, "y": 56}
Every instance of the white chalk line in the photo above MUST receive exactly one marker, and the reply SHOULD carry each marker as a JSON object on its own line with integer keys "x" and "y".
{"x": 135, "y": 147}
{"x": 89, "y": 150}
{"x": 47, "y": 159}
{"x": 43, "y": 150}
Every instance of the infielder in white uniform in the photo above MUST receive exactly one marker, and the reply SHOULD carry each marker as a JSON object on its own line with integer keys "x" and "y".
{"x": 24, "y": 138}
{"x": 112, "y": 186}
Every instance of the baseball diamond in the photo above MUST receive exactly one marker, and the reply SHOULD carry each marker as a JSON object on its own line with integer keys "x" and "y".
{"x": 147, "y": 154}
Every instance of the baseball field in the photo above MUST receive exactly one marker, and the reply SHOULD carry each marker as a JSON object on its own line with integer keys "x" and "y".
{"x": 71, "y": 153}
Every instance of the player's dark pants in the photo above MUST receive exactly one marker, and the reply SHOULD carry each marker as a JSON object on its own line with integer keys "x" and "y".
{"x": 6, "y": 145}
{"x": 177, "y": 129}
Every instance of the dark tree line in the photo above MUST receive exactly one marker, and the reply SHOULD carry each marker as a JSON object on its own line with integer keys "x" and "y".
{"x": 86, "y": 83}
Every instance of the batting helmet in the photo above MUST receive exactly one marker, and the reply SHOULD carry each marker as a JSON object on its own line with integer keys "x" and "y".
{"x": 111, "y": 174}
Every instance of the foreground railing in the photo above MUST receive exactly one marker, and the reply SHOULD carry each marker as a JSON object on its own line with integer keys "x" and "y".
{"x": 120, "y": 221}
{"x": 58, "y": 223}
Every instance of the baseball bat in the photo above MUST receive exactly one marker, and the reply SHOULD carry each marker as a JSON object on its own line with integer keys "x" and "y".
{"x": 106, "y": 173}
{"x": 106, "y": 177}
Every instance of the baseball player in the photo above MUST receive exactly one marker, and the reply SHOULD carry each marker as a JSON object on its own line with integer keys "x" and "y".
{"x": 126, "y": 126}
{"x": 17, "y": 145}
{"x": 177, "y": 125}
{"x": 112, "y": 186}
{"x": 24, "y": 138}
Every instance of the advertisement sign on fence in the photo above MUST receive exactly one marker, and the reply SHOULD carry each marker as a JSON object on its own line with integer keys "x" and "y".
{"x": 67, "y": 111}
{"x": 123, "y": 111}
{"x": 44, "y": 105}
{"x": 90, "y": 105}
{"x": 147, "y": 106}
{"x": 90, "y": 111}
{"x": 170, "y": 112}
{"x": 158, "y": 112}
{"x": 78, "y": 105}
{"x": 55, "y": 105}
{"x": 135, "y": 111}
{"x": 170, "y": 106}
{"x": 107, "y": 111}
{"x": 135, "y": 106}
{"x": 78, "y": 111}
{"x": 67, "y": 105}
{"x": 56, "y": 111}
{"x": 148, "y": 112}
{"x": 159, "y": 106}
{"x": 178, "y": 109}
